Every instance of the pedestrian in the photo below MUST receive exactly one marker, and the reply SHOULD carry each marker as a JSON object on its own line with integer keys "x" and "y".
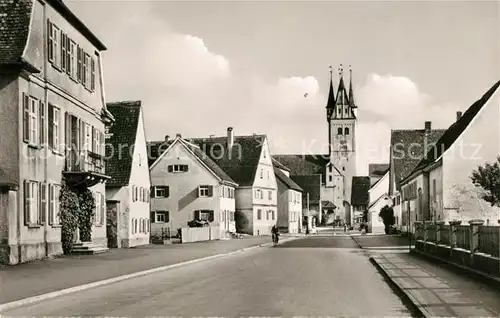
{"x": 345, "y": 228}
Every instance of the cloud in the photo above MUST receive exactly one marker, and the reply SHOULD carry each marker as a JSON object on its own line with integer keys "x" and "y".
{"x": 189, "y": 88}
{"x": 393, "y": 102}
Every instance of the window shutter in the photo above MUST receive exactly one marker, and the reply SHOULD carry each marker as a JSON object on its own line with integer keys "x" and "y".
{"x": 152, "y": 216}
{"x": 79, "y": 64}
{"x": 43, "y": 203}
{"x": 26, "y": 203}
{"x": 51, "y": 204}
{"x": 92, "y": 74}
{"x": 102, "y": 145}
{"x": 133, "y": 193}
{"x": 51, "y": 126}
{"x": 103, "y": 209}
{"x": 211, "y": 216}
{"x": 210, "y": 191}
{"x": 199, "y": 191}
{"x": 63, "y": 51}
{"x": 67, "y": 130}
{"x": 170, "y": 168}
{"x": 68, "y": 55}
{"x": 50, "y": 54}
{"x": 197, "y": 215}
{"x": 185, "y": 168}
{"x": 26, "y": 117}
{"x": 152, "y": 192}
{"x": 167, "y": 191}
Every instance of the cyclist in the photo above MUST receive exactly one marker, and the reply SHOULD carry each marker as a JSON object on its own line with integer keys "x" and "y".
{"x": 275, "y": 233}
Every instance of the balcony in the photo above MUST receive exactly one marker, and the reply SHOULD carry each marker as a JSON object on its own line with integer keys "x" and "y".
{"x": 84, "y": 168}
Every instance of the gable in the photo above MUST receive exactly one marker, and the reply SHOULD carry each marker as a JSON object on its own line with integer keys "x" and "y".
{"x": 451, "y": 135}
{"x": 140, "y": 171}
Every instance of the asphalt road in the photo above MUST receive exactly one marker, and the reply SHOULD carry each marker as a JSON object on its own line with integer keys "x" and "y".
{"x": 316, "y": 276}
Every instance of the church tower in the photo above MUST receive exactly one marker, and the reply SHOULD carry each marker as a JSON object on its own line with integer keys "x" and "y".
{"x": 342, "y": 122}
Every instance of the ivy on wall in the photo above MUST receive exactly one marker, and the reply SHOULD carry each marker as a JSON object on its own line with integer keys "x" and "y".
{"x": 86, "y": 215}
{"x": 241, "y": 221}
{"x": 69, "y": 212}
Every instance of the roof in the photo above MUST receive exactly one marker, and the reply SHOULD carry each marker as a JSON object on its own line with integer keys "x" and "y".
{"x": 384, "y": 195}
{"x": 286, "y": 180}
{"x": 122, "y": 133}
{"x": 15, "y": 19}
{"x": 379, "y": 179}
{"x": 377, "y": 169}
{"x": 310, "y": 184}
{"x": 14, "y": 25}
{"x": 360, "y": 191}
{"x": 305, "y": 164}
{"x": 455, "y": 130}
{"x": 195, "y": 150}
{"x": 328, "y": 205}
{"x": 407, "y": 149}
{"x": 240, "y": 162}
{"x": 278, "y": 164}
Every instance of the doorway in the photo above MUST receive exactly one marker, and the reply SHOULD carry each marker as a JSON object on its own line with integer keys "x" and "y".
{"x": 112, "y": 223}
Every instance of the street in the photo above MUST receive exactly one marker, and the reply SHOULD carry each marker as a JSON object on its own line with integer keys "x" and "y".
{"x": 313, "y": 276}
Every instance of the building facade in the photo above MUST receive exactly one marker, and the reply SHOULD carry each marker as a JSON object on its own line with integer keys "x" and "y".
{"x": 187, "y": 185}
{"x": 54, "y": 116}
{"x": 289, "y": 202}
{"x": 440, "y": 186}
{"x": 128, "y": 190}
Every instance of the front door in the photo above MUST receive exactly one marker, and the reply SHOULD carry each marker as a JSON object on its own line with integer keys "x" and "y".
{"x": 112, "y": 223}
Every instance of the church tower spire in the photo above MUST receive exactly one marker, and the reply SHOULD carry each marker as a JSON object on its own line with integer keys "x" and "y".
{"x": 330, "y": 104}
{"x": 352, "y": 103}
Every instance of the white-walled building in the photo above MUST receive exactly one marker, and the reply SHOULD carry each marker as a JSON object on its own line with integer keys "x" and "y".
{"x": 440, "y": 186}
{"x": 127, "y": 192}
{"x": 289, "y": 200}
{"x": 187, "y": 185}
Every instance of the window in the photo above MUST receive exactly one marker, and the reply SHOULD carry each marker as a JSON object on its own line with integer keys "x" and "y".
{"x": 72, "y": 65}
{"x": 270, "y": 195}
{"x": 85, "y": 69}
{"x": 160, "y": 192}
{"x": 177, "y": 168}
{"x": 346, "y": 130}
{"x": 30, "y": 120}
{"x": 205, "y": 191}
{"x": 159, "y": 217}
{"x": 339, "y": 131}
{"x": 231, "y": 216}
{"x": 257, "y": 194}
{"x": 434, "y": 188}
{"x": 268, "y": 175}
{"x": 262, "y": 173}
{"x": 135, "y": 225}
{"x": 54, "y": 212}
{"x": 204, "y": 215}
{"x": 264, "y": 153}
{"x": 343, "y": 168}
{"x": 54, "y": 127}
{"x": 53, "y": 45}
{"x": 330, "y": 169}
{"x": 222, "y": 216}
{"x": 259, "y": 214}
{"x": 330, "y": 178}
{"x": 31, "y": 216}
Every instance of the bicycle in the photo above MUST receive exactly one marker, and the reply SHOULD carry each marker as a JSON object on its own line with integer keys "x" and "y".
{"x": 275, "y": 239}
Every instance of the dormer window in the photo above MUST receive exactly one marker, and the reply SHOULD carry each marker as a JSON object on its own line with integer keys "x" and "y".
{"x": 339, "y": 131}
{"x": 346, "y": 131}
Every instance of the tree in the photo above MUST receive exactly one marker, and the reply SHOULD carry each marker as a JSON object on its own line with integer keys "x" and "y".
{"x": 488, "y": 178}
{"x": 468, "y": 200}
{"x": 387, "y": 215}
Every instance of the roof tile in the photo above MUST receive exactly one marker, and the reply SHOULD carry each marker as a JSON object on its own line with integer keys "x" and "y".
{"x": 360, "y": 194}
{"x": 14, "y": 28}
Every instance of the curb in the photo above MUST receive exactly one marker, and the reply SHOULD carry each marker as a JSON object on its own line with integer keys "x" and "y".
{"x": 406, "y": 297}
{"x": 487, "y": 279}
{"x": 62, "y": 292}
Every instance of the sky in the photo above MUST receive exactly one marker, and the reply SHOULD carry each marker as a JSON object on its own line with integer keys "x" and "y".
{"x": 202, "y": 66}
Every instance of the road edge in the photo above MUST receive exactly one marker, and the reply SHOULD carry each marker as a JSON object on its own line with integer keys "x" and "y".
{"x": 400, "y": 291}
{"x": 74, "y": 289}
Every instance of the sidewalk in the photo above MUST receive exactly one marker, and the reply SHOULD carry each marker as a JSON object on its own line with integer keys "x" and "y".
{"x": 40, "y": 277}
{"x": 435, "y": 291}
{"x": 382, "y": 241}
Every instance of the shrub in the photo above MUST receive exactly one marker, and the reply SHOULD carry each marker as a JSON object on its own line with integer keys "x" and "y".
{"x": 69, "y": 212}
{"x": 86, "y": 215}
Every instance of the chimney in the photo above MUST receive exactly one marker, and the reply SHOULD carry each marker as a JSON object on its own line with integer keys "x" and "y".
{"x": 230, "y": 137}
{"x": 427, "y": 126}
{"x": 167, "y": 137}
{"x": 178, "y": 136}
{"x": 459, "y": 114}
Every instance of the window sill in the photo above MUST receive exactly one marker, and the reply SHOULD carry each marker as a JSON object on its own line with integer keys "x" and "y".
{"x": 56, "y": 226}
{"x": 32, "y": 146}
{"x": 34, "y": 226}
{"x": 57, "y": 152}
{"x": 98, "y": 225}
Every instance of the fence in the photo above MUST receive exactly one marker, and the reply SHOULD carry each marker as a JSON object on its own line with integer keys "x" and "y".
{"x": 474, "y": 245}
{"x": 198, "y": 234}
